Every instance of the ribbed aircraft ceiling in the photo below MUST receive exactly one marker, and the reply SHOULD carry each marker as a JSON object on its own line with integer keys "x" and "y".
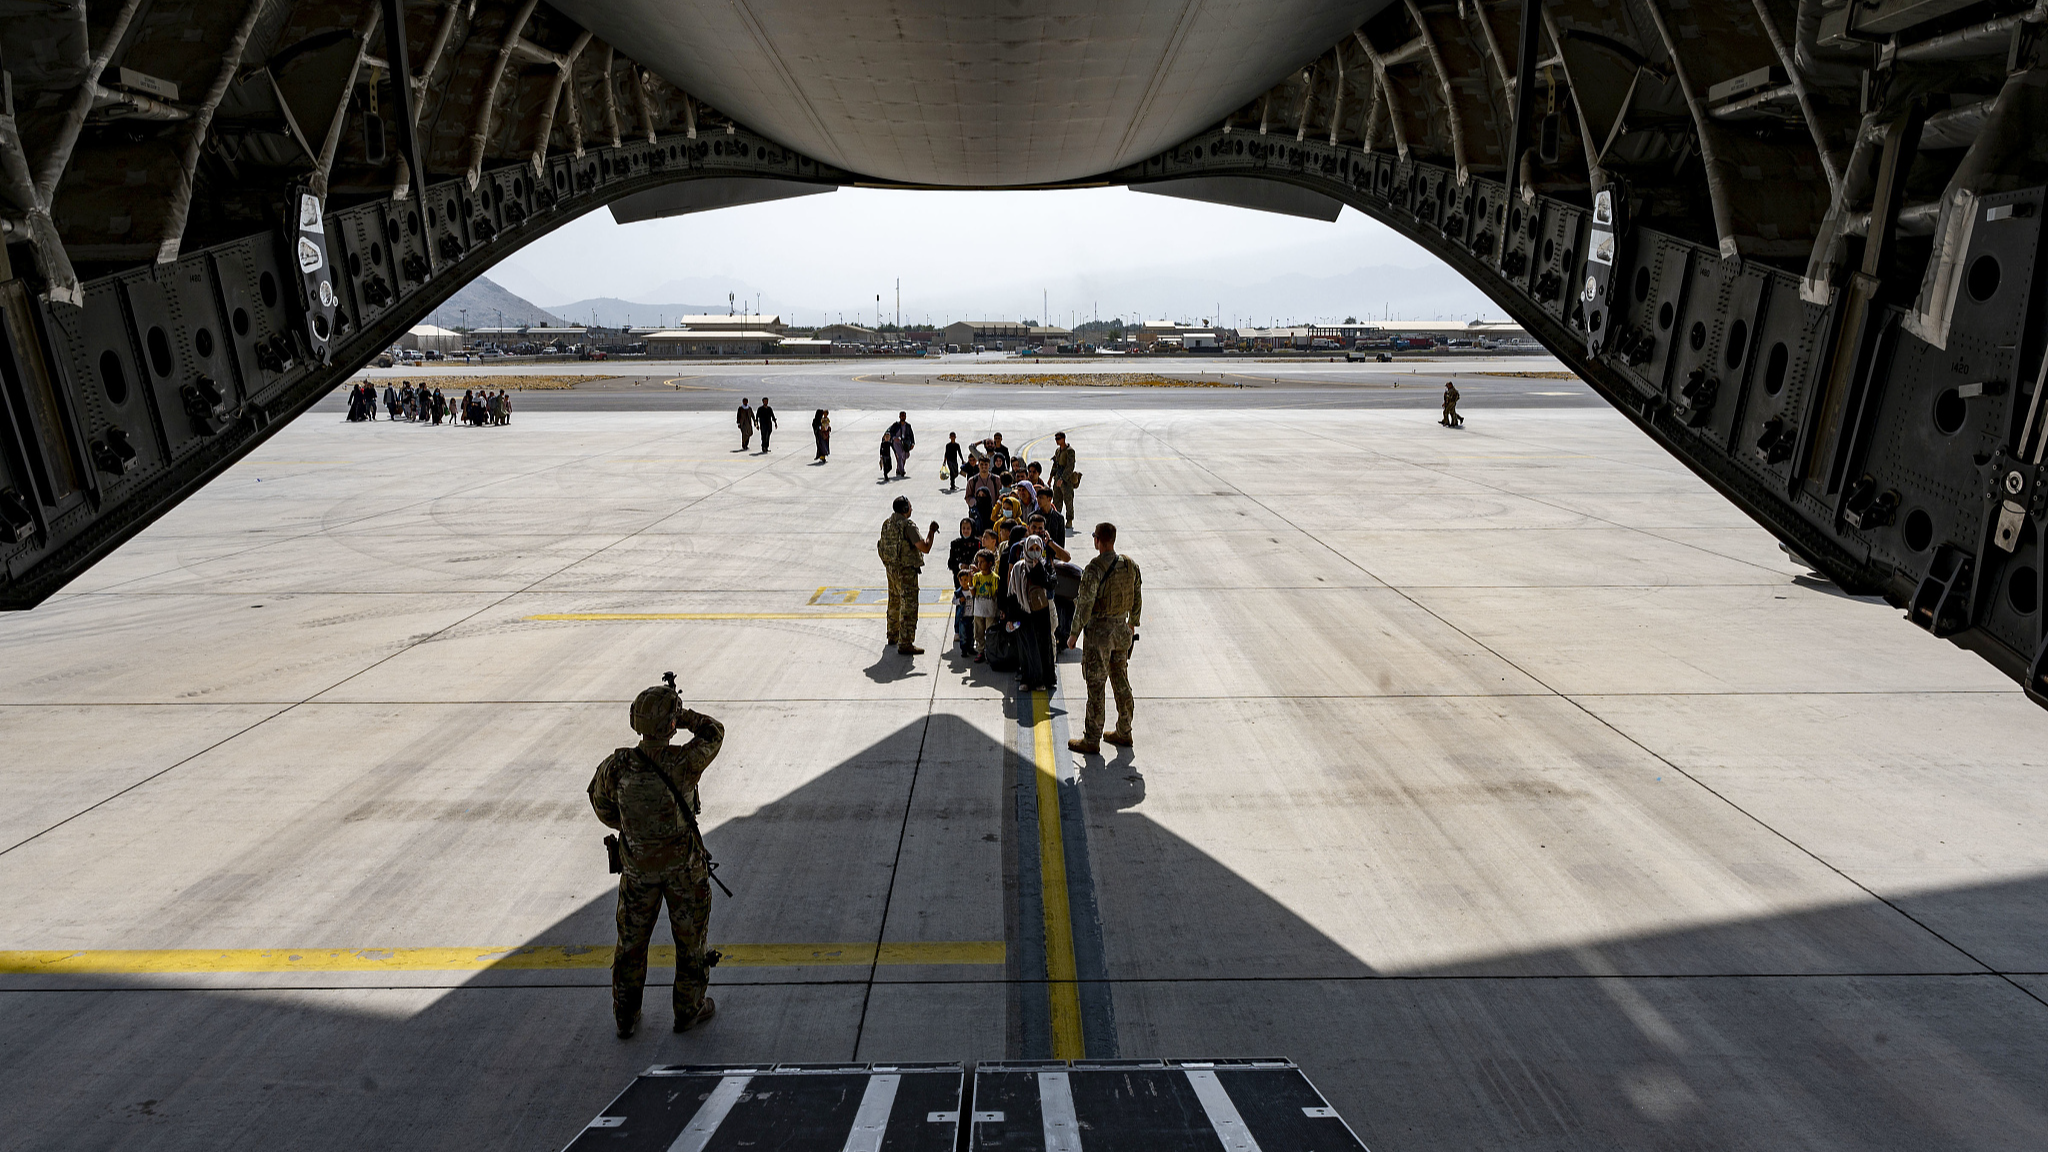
{"x": 974, "y": 92}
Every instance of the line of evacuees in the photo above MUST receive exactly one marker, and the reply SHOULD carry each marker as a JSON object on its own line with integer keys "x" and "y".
{"x": 1014, "y": 581}
{"x": 423, "y": 405}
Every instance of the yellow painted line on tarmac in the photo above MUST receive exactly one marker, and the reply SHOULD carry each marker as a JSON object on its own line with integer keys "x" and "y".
{"x": 1062, "y": 973}
{"x": 709, "y": 616}
{"x": 526, "y": 958}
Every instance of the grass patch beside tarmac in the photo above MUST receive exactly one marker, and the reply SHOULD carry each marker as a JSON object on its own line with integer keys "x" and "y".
{"x": 1087, "y": 380}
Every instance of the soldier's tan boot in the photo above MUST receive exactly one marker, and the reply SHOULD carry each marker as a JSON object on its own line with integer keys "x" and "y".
{"x": 628, "y": 1027}
{"x": 910, "y": 650}
{"x": 1120, "y": 739}
{"x": 1085, "y": 746}
{"x": 709, "y": 1010}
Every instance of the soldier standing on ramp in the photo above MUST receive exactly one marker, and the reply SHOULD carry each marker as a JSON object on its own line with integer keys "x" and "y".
{"x": 902, "y": 553}
{"x": 1106, "y": 611}
{"x": 649, "y": 793}
{"x": 1451, "y": 418}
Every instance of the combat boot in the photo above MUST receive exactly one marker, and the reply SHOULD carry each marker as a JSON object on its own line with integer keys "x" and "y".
{"x": 709, "y": 1010}
{"x": 1120, "y": 739}
{"x": 909, "y": 650}
{"x": 630, "y": 1026}
{"x": 1085, "y": 746}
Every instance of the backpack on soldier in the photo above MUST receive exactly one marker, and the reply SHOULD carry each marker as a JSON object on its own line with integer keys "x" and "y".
{"x": 890, "y": 546}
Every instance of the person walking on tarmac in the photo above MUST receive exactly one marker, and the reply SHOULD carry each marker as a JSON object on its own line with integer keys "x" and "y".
{"x": 1451, "y": 418}
{"x": 952, "y": 461}
{"x": 902, "y": 439}
{"x": 746, "y": 415}
{"x": 764, "y": 419}
{"x": 1106, "y": 610}
{"x": 649, "y": 794}
{"x": 903, "y": 552}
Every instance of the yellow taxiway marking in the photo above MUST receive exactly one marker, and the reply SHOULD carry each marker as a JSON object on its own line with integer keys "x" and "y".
{"x": 528, "y": 958}
{"x": 709, "y": 616}
{"x": 1062, "y": 973}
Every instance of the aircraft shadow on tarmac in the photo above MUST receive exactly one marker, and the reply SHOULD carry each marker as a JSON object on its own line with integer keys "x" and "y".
{"x": 1519, "y": 1050}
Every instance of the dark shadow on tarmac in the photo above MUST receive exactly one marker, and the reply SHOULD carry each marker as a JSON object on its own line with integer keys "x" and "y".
{"x": 1797, "y": 1031}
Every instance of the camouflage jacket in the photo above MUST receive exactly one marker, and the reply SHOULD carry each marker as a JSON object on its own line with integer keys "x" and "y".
{"x": 898, "y": 544}
{"x": 1062, "y": 463}
{"x": 627, "y": 796}
{"x": 1112, "y": 589}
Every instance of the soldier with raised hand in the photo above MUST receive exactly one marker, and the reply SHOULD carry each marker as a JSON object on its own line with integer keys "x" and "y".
{"x": 1106, "y": 609}
{"x": 649, "y": 794}
{"x": 902, "y": 551}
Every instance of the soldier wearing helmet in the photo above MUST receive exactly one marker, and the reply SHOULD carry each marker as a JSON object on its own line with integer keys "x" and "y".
{"x": 649, "y": 794}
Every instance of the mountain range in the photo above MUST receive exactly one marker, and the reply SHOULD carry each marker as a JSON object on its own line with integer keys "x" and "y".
{"x": 484, "y": 303}
{"x": 1298, "y": 297}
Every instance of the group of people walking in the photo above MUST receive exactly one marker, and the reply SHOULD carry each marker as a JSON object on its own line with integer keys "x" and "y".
{"x": 1019, "y": 598}
{"x": 424, "y": 405}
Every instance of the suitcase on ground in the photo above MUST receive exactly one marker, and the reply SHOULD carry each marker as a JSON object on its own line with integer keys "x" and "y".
{"x": 1066, "y": 580}
{"x": 1002, "y": 648}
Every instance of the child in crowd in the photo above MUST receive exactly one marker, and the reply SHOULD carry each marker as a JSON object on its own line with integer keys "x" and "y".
{"x": 982, "y": 582}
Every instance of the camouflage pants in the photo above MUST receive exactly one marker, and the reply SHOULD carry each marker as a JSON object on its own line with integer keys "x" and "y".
{"x": 1105, "y": 656}
{"x": 689, "y": 914}
{"x": 1063, "y": 499}
{"x": 902, "y": 606}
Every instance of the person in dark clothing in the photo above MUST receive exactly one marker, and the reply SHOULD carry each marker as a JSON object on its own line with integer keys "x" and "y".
{"x": 952, "y": 461}
{"x": 904, "y": 439}
{"x": 821, "y": 428}
{"x": 959, "y": 558}
{"x": 1029, "y": 589}
{"x": 888, "y": 450}
{"x": 1055, "y": 524}
{"x": 764, "y": 419}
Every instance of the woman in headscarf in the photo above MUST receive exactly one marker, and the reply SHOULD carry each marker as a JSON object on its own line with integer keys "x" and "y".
{"x": 1029, "y": 590}
{"x": 821, "y": 427}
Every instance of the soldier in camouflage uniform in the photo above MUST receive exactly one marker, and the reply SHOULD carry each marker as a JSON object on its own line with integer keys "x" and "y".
{"x": 1062, "y": 473}
{"x": 1106, "y": 610}
{"x": 902, "y": 552}
{"x": 662, "y": 851}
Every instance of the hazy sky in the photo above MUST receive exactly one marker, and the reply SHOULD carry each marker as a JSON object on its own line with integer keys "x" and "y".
{"x": 990, "y": 255}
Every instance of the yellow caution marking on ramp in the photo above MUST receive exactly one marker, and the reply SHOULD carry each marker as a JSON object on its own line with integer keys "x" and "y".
{"x": 708, "y": 616}
{"x": 1062, "y": 973}
{"x": 526, "y": 958}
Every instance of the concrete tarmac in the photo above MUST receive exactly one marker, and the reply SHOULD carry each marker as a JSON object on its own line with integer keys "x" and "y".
{"x": 1229, "y": 383}
{"x": 1507, "y": 779}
